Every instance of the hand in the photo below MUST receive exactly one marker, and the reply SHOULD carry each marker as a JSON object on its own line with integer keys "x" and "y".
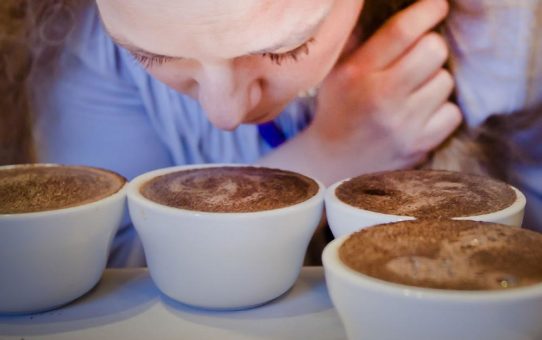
{"x": 387, "y": 105}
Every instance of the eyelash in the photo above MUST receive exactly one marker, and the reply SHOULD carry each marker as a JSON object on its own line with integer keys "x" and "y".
{"x": 294, "y": 54}
{"x": 277, "y": 58}
{"x": 148, "y": 61}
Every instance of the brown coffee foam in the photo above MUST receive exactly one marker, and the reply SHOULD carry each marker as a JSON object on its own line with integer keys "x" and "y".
{"x": 447, "y": 254}
{"x": 36, "y": 188}
{"x": 426, "y": 193}
{"x": 230, "y": 189}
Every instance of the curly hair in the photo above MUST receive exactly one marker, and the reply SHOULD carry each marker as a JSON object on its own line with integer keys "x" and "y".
{"x": 31, "y": 34}
{"x": 15, "y": 125}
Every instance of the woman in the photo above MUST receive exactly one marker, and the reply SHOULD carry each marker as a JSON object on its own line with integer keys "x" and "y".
{"x": 239, "y": 66}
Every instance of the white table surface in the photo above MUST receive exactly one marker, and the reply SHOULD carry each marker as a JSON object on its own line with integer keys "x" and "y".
{"x": 127, "y": 305}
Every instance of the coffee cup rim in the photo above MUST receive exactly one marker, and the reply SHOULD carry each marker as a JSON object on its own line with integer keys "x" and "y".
{"x": 513, "y": 208}
{"x": 84, "y": 206}
{"x": 332, "y": 263}
{"x": 133, "y": 193}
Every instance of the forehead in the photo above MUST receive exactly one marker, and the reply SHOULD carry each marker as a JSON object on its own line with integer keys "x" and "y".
{"x": 178, "y": 27}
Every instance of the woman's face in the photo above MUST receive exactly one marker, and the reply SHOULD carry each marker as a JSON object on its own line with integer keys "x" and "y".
{"x": 243, "y": 60}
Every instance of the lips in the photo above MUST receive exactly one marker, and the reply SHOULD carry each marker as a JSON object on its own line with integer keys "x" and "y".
{"x": 264, "y": 117}
{"x": 259, "y": 120}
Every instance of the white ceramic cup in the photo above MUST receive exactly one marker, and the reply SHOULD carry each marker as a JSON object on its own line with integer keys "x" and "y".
{"x": 373, "y": 309}
{"x": 222, "y": 260}
{"x": 345, "y": 219}
{"x": 50, "y": 258}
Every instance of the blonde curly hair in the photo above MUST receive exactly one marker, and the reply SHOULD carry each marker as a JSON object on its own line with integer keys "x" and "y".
{"x": 31, "y": 34}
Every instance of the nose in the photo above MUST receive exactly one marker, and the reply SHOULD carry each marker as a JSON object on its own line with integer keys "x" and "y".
{"x": 227, "y": 93}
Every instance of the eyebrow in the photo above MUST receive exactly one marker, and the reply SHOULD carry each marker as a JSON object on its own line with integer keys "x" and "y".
{"x": 297, "y": 38}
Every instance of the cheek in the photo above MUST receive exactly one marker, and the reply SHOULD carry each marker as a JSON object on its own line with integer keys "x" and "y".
{"x": 290, "y": 79}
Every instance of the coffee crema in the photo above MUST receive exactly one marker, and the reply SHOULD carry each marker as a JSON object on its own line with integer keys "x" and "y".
{"x": 230, "y": 189}
{"x": 447, "y": 254}
{"x": 426, "y": 193}
{"x": 36, "y": 188}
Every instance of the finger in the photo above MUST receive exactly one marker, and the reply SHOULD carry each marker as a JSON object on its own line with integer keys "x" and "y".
{"x": 431, "y": 96}
{"x": 420, "y": 64}
{"x": 441, "y": 125}
{"x": 400, "y": 33}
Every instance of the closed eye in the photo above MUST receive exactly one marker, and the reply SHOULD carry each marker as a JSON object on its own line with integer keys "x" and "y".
{"x": 294, "y": 54}
{"x": 149, "y": 61}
